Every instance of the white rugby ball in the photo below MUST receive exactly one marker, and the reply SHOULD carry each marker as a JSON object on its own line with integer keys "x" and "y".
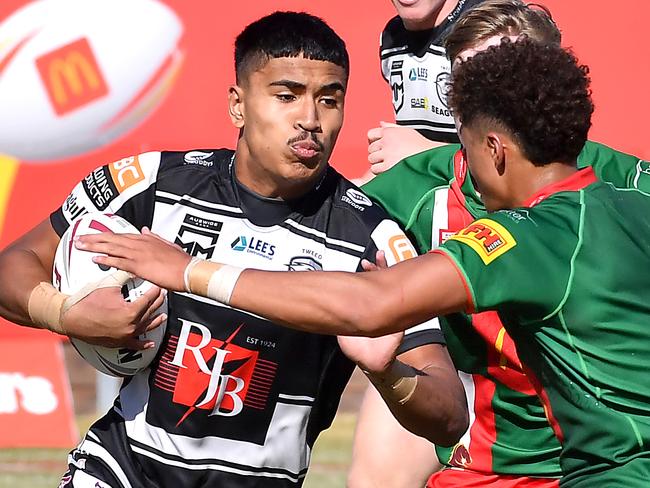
{"x": 74, "y": 268}
{"x": 77, "y": 74}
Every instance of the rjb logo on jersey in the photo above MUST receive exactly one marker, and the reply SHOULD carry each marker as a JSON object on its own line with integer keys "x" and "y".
{"x": 212, "y": 375}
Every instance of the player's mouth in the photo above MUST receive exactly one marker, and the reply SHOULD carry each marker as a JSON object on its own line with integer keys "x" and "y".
{"x": 306, "y": 148}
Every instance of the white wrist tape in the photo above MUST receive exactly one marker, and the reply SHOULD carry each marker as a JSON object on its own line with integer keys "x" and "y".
{"x": 211, "y": 280}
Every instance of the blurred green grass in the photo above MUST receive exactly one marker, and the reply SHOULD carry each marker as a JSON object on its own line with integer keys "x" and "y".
{"x": 42, "y": 468}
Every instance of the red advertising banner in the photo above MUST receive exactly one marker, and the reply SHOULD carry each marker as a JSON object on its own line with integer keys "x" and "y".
{"x": 35, "y": 398}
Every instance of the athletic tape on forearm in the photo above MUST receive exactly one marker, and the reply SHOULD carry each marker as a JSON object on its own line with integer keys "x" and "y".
{"x": 397, "y": 384}
{"x": 212, "y": 280}
{"x": 44, "y": 307}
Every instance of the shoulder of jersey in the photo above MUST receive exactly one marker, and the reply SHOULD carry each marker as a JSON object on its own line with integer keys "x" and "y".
{"x": 201, "y": 159}
{"x": 354, "y": 202}
{"x": 394, "y": 34}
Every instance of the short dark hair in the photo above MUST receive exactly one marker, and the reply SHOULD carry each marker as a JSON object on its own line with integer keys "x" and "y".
{"x": 501, "y": 17}
{"x": 538, "y": 93}
{"x": 287, "y": 34}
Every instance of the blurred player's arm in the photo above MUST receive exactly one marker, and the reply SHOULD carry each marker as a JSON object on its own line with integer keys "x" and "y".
{"x": 102, "y": 317}
{"x": 386, "y": 454}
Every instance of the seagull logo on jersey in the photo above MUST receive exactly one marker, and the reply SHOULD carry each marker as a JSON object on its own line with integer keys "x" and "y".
{"x": 397, "y": 84}
{"x": 443, "y": 87}
{"x": 198, "y": 236}
{"x": 304, "y": 263}
{"x": 216, "y": 377}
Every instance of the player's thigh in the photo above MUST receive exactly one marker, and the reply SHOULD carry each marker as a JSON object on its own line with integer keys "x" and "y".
{"x": 384, "y": 453}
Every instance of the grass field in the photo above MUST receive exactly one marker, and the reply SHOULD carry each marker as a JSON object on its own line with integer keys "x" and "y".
{"x": 42, "y": 468}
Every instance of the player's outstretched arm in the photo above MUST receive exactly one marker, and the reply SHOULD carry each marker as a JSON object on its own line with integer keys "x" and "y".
{"x": 102, "y": 317}
{"x": 325, "y": 302}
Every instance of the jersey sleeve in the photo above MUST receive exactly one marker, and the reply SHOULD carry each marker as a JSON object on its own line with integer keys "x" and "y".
{"x": 517, "y": 262}
{"x": 388, "y": 237}
{"x": 125, "y": 188}
{"x": 407, "y": 191}
{"x": 620, "y": 169}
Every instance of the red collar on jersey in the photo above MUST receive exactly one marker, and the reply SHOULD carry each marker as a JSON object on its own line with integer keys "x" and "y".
{"x": 575, "y": 182}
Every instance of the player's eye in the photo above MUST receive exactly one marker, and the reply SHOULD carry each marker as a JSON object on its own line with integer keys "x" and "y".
{"x": 330, "y": 102}
{"x": 285, "y": 97}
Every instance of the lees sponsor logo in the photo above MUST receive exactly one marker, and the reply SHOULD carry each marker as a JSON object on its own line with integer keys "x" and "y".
{"x": 71, "y": 76}
{"x": 488, "y": 238}
{"x": 253, "y": 245}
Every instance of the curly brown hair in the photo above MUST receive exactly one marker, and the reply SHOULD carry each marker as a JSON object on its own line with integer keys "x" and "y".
{"x": 538, "y": 93}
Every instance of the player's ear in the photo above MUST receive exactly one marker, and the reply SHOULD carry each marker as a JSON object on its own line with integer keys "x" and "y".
{"x": 496, "y": 149}
{"x": 236, "y": 105}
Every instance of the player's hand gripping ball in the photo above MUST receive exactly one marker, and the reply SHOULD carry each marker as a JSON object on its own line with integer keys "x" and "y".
{"x": 74, "y": 269}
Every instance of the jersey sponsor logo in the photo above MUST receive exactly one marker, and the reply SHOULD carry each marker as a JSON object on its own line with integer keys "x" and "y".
{"x": 71, "y": 208}
{"x": 253, "y": 245}
{"x": 126, "y": 173}
{"x": 418, "y": 74}
{"x": 396, "y": 81}
{"x": 198, "y": 236}
{"x": 71, "y": 76}
{"x": 444, "y": 235}
{"x": 304, "y": 263}
{"x": 488, "y": 238}
{"x": 356, "y": 199}
{"x": 199, "y": 158}
{"x": 443, "y": 87}
{"x": 401, "y": 248}
{"x": 460, "y": 456}
{"x": 517, "y": 215}
{"x": 100, "y": 188}
{"x": 420, "y": 103}
{"x": 213, "y": 376}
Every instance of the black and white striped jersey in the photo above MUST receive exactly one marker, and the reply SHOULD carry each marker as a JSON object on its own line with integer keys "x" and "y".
{"x": 231, "y": 399}
{"x": 416, "y": 67}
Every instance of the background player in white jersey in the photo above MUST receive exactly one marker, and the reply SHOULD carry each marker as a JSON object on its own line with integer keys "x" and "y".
{"x": 273, "y": 203}
{"x": 414, "y": 64}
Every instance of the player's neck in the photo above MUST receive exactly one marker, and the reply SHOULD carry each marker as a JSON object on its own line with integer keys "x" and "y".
{"x": 539, "y": 177}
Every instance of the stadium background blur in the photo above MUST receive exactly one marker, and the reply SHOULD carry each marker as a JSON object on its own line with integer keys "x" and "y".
{"x": 189, "y": 111}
